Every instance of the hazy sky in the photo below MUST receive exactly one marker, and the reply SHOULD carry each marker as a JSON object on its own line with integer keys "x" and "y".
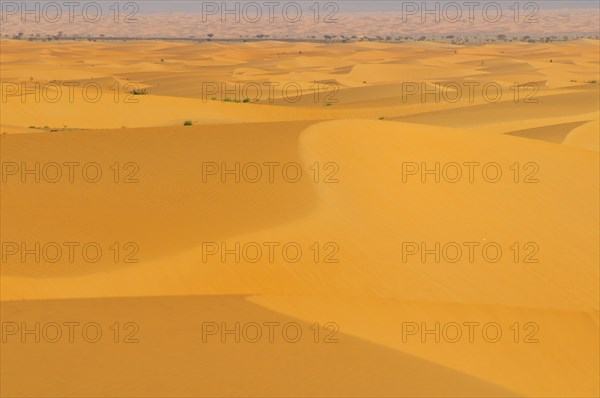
{"x": 344, "y": 5}
{"x": 190, "y": 21}
{"x": 351, "y": 5}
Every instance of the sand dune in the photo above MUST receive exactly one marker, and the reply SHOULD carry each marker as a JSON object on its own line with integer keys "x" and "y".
{"x": 355, "y": 367}
{"x": 358, "y": 198}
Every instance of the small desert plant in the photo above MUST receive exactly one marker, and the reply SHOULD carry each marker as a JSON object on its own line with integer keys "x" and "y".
{"x": 142, "y": 91}
{"x": 187, "y": 123}
{"x": 246, "y": 100}
{"x": 381, "y": 118}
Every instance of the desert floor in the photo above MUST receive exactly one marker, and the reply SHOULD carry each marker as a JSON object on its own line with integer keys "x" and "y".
{"x": 342, "y": 143}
